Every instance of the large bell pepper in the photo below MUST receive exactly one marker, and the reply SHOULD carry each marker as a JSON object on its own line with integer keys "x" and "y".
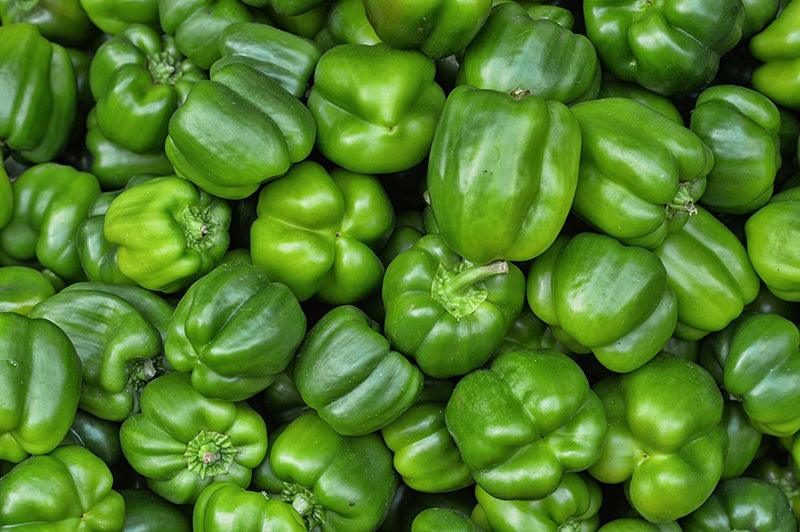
{"x": 375, "y": 107}
{"x": 63, "y": 21}
{"x": 99, "y": 436}
{"x": 67, "y": 490}
{"x": 502, "y": 173}
{"x": 515, "y": 425}
{"x": 22, "y": 288}
{"x": 667, "y": 47}
{"x": 744, "y": 440}
{"x": 447, "y": 313}
{"x": 224, "y": 506}
{"x": 741, "y": 128}
{"x": 756, "y": 360}
{"x": 41, "y": 381}
{"x": 425, "y": 454}
{"x": 169, "y": 233}
{"x": 612, "y": 87}
{"x": 336, "y": 483}
{"x": 238, "y": 130}
{"x": 346, "y": 23}
{"x": 665, "y": 438}
{"x": 640, "y": 171}
{"x": 147, "y": 512}
{"x": 778, "y": 46}
{"x": 773, "y": 234}
{"x": 514, "y": 51}
{"x": 113, "y": 16}
{"x": 613, "y": 299}
{"x": 346, "y": 371}
{"x": 707, "y": 267}
{"x": 786, "y": 478}
{"x": 572, "y": 506}
{"x": 235, "y": 331}
{"x": 51, "y": 201}
{"x": 743, "y": 504}
{"x": 181, "y": 441}
{"x": 319, "y": 233}
{"x": 38, "y": 94}
{"x": 438, "y": 29}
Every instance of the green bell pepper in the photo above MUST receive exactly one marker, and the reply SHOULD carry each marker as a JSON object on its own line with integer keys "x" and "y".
{"x": 283, "y": 402}
{"x": 238, "y": 130}
{"x": 224, "y": 506}
{"x": 439, "y": 519}
{"x": 67, "y": 490}
{"x": 319, "y": 233}
{"x": 147, "y": 512}
{"x": 572, "y": 506}
{"x": 346, "y": 23}
{"x": 502, "y": 173}
{"x": 181, "y": 441}
{"x": 336, "y": 483}
{"x": 6, "y": 198}
{"x": 756, "y": 360}
{"x": 99, "y": 436}
{"x": 425, "y": 454}
{"x": 138, "y": 79}
{"x": 41, "y": 381}
{"x": 63, "y": 21}
{"x": 707, "y": 267}
{"x": 375, "y": 107}
{"x": 515, "y": 425}
{"x": 119, "y": 348}
{"x": 288, "y": 7}
{"x": 665, "y": 438}
{"x": 286, "y": 58}
{"x": 759, "y": 13}
{"x": 438, "y": 29}
{"x": 407, "y": 504}
{"x": 640, "y": 171}
{"x": 778, "y": 46}
{"x": 685, "y": 349}
{"x": 769, "y": 303}
{"x": 666, "y": 47}
{"x": 529, "y": 332}
{"x": 346, "y": 371}
{"x": 744, "y": 441}
{"x": 306, "y": 25}
{"x": 22, "y": 288}
{"x": 613, "y": 299}
{"x": 97, "y": 255}
{"x": 785, "y": 478}
{"x": 235, "y": 331}
{"x": 611, "y": 87}
{"x": 113, "y": 16}
{"x": 51, "y": 201}
{"x": 169, "y": 233}
{"x": 772, "y": 236}
{"x": 633, "y": 524}
{"x": 514, "y": 51}
{"x": 408, "y": 229}
{"x": 445, "y": 312}
{"x": 743, "y": 504}
{"x": 741, "y": 128}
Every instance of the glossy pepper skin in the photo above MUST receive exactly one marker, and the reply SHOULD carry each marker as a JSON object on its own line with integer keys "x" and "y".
{"x": 758, "y": 14}
{"x": 515, "y": 51}
{"x": 437, "y": 519}
{"x": 756, "y": 360}
{"x": 337, "y": 483}
{"x": 181, "y": 441}
{"x": 346, "y": 23}
{"x": 225, "y": 506}
{"x": 62, "y": 21}
{"x": 38, "y": 97}
{"x": 113, "y": 16}
{"x": 98, "y": 256}
{"x": 235, "y": 331}
{"x": 447, "y": 313}
{"x": 502, "y": 173}
{"x": 572, "y": 506}
{"x": 50, "y": 203}
{"x": 743, "y": 504}
{"x": 612, "y": 87}
{"x": 627, "y": 321}
{"x": 772, "y": 236}
{"x": 668, "y": 47}
{"x": 665, "y": 439}
{"x": 238, "y": 130}
{"x": 22, "y": 288}
{"x": 318, "y": 232}
{"x": 169, "y": 233}
{"x": 743, "y": 440}
{"x": 741, "y": 128}
{"x": 68, "y": 489}
{"x": 438, "y": 29}
{"x": 99, "y": 436}
{"x": 286, "y": 58}
{"x": 375, "y": 107}
{"x": 633, "y": 524}
{"x": 41, "y": 382}
{"x": 777, "y": 46}
{"x": 783, "y": 477}
{"x": 425, "y": 454}
{"x": 147, "y": 512}
{"x": 640, "y": 171}
{"x": 707, "y": 267}
{"x": 138, "y": 79}
{"x": 346, "y": 371}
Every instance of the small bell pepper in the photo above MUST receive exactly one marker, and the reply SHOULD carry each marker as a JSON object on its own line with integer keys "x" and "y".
{"x": 786, "y": 478}
{"x": 224, "y": 506}
{"x": 438, "y": 519}
{"x": 306, "y": 24}
{"x": 346, "y": 23}
{"x": 147, "y": 512}
{"x": 99, "y": 436}
{"x": 283, "y": 402}
{"x": 744, "y": 440}
{"x": 778, "y": 46}
{"x": 22, "y": 288}
{"x": 113, "y": 16}
{"x": 408, "y": 229}
{"x": 97, "y": 255}
{"x": 62, "y": 21}
{"x": 529, "y": 332}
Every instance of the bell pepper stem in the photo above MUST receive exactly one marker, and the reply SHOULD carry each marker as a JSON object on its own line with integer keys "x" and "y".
{"x": 682, "y": 201}
{"x": 473, "y": 275}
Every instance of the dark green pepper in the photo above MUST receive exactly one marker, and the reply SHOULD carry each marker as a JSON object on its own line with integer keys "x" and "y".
{"x": 113, "y": 16}
{"x": 147, "y": 512}
{"x": 63, "y": 21}
{"x": 22, "y": 288}
{"x": 97, "y": 255}
{"x": 347, "y": 23}
{"x": 743, "y": 440}
{"x": 99, "y": 436}
{"x": 438, "y": 519}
